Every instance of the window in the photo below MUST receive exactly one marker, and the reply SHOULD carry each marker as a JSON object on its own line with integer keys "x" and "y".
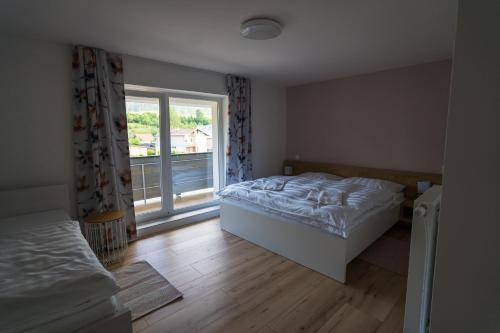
{"x": 175, "y": 156}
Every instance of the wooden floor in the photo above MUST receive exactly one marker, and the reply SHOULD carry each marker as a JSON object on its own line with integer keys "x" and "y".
{"x": 231, "y": 285}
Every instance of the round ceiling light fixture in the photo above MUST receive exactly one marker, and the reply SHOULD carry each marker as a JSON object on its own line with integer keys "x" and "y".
{"x": 260, "y": 29}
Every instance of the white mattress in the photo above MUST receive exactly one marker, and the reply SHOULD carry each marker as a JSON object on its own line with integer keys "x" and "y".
{"x": 358, "y": 204}
{"x": 283, "y": 216}
{"x": 48, "y": 272}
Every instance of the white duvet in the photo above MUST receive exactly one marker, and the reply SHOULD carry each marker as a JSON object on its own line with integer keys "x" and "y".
{"x": 47, "y": 271}
{"x": 336, "y": 206}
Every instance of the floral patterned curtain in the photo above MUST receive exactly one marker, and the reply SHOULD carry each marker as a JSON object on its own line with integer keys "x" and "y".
{"x": 100, "y": 140}
{"x": 239, "y": 148}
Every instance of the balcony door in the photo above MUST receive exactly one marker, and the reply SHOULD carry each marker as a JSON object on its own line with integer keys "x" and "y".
{"x": 175, "y": 151}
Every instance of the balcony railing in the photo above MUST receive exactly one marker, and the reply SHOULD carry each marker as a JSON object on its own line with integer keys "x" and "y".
{"x": 190, "y": 172}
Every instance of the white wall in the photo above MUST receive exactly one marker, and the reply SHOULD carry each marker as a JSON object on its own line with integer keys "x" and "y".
{"x": 467, "y": 278}
{"x": 35, "y": 119}
{"x": 268, "y": 128}
{"x": 145, "y": 72}
{"x": 35, "y": 115}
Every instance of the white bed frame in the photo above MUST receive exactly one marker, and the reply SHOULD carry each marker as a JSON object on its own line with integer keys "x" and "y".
{"x": 326, "y": 253}
{"x": 38, "y": 199}
{"x": 33, "y": 199}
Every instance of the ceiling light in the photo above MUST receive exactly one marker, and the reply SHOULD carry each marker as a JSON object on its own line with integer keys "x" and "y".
{"x": 260, "y": 29}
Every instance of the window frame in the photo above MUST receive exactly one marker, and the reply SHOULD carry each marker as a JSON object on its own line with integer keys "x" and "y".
{"x": 164, "y": 95}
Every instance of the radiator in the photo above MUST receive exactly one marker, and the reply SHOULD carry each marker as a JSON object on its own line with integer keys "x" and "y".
{"x": 421, "y": 265}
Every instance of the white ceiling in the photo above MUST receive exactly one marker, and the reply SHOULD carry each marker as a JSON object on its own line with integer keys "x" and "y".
{"x": 321, "y": 39}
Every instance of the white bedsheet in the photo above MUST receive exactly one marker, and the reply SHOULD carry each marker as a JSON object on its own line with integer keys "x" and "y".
{"x": 47, "y": 271}
{"x": 357, "y": 201}
{"x": 86, "y": 315}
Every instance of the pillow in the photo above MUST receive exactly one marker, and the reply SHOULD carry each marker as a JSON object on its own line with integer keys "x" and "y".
{"x": 321, "y": 176}
{"x": 377, "y": 183}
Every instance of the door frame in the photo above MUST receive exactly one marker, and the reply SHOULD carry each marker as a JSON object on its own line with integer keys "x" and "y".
{"x": 219, "y": 146}
{"x": 164, "y": 157}
{"x": 166, "y": 188}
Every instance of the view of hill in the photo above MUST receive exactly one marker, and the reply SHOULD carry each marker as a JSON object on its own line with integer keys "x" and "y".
{"x": 144, "y": 123}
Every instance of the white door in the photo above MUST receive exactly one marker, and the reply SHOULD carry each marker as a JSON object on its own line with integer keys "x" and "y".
{"x": 175, "y": 142}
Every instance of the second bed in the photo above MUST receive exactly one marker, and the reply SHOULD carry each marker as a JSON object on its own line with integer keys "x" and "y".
{"x": 319, "y": 220}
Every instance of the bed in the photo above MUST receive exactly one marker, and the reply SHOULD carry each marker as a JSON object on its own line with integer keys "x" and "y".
{"x": 333, "y": 235}
{"x": 51, "y": 280}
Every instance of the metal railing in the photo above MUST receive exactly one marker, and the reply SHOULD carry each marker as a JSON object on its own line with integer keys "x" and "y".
{"x": 190, "y": 172}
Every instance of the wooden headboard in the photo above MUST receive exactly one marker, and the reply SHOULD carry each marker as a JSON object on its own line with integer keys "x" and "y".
{"x": 407, "y": 178}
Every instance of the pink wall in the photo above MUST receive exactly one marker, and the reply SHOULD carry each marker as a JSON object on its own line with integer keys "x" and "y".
{"x": 394, "y": 119}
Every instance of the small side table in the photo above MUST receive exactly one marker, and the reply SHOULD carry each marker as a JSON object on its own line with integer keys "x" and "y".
{"x": 107, "y": 235}
{"x": 406, "y": 211}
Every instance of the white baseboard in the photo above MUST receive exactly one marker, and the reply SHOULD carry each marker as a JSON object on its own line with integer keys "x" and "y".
{"x": 171, "y": 222}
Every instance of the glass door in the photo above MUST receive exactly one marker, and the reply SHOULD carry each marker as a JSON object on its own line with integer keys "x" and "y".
{"x": 143, "y": 121}
{"x": 175, "y": 144}
{"x": 194, "y": 150}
